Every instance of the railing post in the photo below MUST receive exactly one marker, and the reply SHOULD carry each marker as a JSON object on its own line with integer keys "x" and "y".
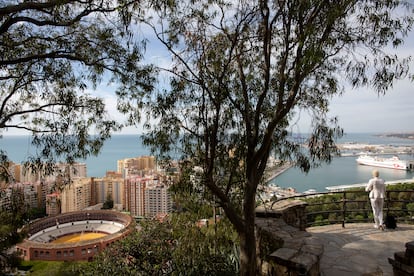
{"x": 343, "y": 209}
{"x": 387, "y": 202}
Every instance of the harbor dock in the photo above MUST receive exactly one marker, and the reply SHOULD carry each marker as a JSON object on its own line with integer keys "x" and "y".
{"x": 340, "y": 188}
{"x": 355, "y": 149}
{"x": 276, "y": 169}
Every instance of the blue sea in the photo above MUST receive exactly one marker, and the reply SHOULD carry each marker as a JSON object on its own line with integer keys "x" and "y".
{"x": 118, "y": 147}
{"x": 341, "y": 171}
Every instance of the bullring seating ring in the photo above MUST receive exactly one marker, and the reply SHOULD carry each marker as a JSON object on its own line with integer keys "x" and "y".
{"x": 50, "y": 234}
{"x": 75, "y": 235}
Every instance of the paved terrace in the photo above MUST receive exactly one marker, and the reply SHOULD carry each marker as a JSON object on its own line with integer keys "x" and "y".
{"x": 356, "y": 249}
{"x": 359, "y": 248}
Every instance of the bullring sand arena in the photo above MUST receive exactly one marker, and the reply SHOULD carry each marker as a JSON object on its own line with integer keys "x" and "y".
{"x": 74, "y": 236}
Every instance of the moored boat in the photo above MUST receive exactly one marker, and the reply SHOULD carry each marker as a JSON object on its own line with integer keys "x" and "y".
{"x": 392, "y": 163}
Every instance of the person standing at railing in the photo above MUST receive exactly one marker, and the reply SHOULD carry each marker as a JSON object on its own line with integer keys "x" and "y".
{"x": 376, "y": 189}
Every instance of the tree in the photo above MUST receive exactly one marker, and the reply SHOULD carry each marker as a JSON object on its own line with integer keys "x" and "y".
{"x": 176, "y": 246}
{"x": 241, "y": 72}
{"x": 12, "y": 220}
{"x": 109, "y": 202}
{"x": 51, "y": 53}
{"x": 8, "y": 237}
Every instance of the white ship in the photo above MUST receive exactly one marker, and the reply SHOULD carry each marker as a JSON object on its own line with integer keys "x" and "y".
{"x": 391, "y": 163}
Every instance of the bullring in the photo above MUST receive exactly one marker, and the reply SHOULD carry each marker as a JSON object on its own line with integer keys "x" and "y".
{"x": 92, "y": 231}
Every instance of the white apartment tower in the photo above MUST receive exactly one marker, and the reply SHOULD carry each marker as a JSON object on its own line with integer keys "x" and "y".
{"x": 157, "y": 201}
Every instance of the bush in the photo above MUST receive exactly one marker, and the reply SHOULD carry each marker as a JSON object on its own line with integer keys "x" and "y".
{"x": 359, "y": 210}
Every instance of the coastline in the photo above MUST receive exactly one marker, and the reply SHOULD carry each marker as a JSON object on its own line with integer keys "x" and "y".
{"x": 342, "y": 170}
{"x": 340, "y": 188}
{"x": 354, "y": 149}
{"x": 401, "y": 135}
{"x": 276, "y": 169}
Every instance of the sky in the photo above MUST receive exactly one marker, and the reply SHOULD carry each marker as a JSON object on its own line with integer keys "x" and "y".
{"x": 359, "y": 110}
{"x": 363, "y": 110}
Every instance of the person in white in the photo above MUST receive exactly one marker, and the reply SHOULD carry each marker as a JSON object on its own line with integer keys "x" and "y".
{"x": 376, "y": 189}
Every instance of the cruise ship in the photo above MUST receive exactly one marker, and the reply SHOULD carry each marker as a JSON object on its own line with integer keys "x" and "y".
{"x": 391, "y": 163}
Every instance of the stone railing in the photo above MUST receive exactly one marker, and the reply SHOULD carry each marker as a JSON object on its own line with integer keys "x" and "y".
{"x": 403, "y": 262}
{"x": 291, "y": 211}
{"x": 297, "y": 253}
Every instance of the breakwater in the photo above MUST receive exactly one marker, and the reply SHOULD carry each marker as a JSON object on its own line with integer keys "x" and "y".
{"x": 276, "y": 169}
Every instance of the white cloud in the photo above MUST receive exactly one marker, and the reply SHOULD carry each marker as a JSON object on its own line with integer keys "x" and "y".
{"x": 366, "y": 111}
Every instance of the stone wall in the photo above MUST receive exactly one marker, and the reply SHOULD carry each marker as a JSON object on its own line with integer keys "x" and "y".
{"x": 297, "y": 252}
{"x": 403, "y": 262}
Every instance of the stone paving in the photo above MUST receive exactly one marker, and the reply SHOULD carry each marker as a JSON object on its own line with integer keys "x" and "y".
{"x": 359, "y": 248}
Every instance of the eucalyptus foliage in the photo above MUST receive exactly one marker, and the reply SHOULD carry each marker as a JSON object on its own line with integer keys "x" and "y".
{"x": 243, "y": 70}
{"x": 53, "y": 54}
{"x": 174, "y": 247}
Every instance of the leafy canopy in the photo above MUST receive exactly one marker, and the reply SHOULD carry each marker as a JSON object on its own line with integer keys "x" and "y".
{"x": 53, "y": 53}
{"x": 243, "y": 69}
{"x": 174, "y": 247}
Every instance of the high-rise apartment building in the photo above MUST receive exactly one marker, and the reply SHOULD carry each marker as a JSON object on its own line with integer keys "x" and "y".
{"x": 60, "y": 170}
{"x": 75, "y": 170}
{"x": 157, "y": 201}
{"x": 112, "y": 186}
{"x": 146, "y": 196}
{"x": 135, "y": 194}
{"x": 13, "y": 171}
{"x": 5, "y": 199}
{"x": 23, "y": 195}
{"x": 53, "y": 203}
{"x": 76, "y": 196}
{"x": 136, "y": 166}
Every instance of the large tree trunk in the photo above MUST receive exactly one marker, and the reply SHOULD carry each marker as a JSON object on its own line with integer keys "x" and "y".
{"x": 248, "y": 263}
{"x": 248, "y": 256}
